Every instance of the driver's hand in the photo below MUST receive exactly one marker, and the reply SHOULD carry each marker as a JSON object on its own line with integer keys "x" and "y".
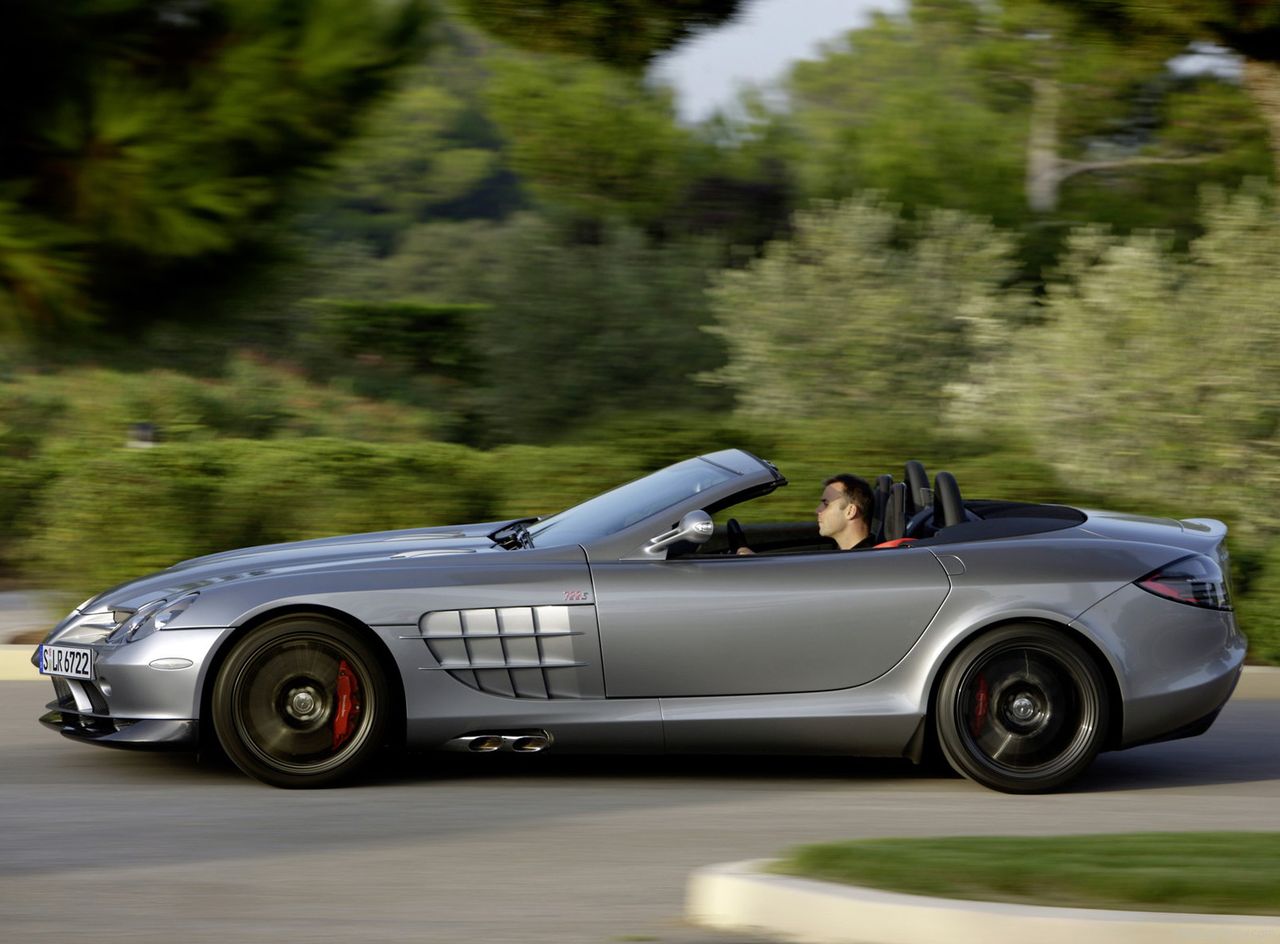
{"x": 745, "y": 550}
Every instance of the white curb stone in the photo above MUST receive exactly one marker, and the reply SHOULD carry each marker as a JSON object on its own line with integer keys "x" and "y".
{"x": 738, "y": 896}
{"x": 15, "y": 664}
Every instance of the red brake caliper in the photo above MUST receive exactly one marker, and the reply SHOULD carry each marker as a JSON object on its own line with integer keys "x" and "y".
{"x": 348, "y": 710}
{"x": 981, "y": 702}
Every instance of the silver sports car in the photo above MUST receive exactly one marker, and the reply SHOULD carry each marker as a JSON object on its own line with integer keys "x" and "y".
{"x": 1016, "y": 639}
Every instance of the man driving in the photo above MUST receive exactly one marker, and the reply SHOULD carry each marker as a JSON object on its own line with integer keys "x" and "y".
{"x": 844, "y": 513}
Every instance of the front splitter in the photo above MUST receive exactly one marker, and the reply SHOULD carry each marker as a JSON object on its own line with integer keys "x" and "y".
{"x": 145, "y": 735}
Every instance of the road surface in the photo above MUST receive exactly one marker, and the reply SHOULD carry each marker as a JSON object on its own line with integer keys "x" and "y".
{"x": 109, "y": 846}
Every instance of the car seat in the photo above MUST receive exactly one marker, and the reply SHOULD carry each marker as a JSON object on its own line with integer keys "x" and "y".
{"x": 948, "y": 507}
{"x": 918, "y": 495}
{"x": 895, "y": 517}
{"x": 881, "y": 496}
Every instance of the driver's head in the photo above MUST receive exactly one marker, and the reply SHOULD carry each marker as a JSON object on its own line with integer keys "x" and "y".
{"x": 846, "y": 502}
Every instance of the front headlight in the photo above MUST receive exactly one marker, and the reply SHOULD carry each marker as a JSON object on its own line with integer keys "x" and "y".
{"x": 150, "y": 617}
{"x": 85, "y": 628}
{"x": 170, "y": 612}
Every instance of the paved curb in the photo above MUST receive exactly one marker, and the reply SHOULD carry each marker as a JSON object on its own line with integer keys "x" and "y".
{"x": 737, "y": 896}
{"x": 1259, "y": 681}
{"x": 15, "y": 664}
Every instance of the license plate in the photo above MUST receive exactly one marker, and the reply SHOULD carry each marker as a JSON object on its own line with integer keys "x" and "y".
{"x": 67, "y": 661}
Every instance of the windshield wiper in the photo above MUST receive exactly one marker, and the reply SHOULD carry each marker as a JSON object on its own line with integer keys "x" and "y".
{"x": 514, "y": 536}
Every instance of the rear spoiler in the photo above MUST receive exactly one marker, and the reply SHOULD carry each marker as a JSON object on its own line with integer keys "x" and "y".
{"x": 1211, "y": 528}
{"x": 1215, "y": 534}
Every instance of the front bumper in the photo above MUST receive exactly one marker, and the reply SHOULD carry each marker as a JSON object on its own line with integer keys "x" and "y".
{"x": 173, "y": 734}
{"x": 132, "y": 704}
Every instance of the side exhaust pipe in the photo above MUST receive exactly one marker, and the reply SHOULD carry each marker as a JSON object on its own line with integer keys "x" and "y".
{"x": 524, "y": 742}
{"x": 528, "y": 743}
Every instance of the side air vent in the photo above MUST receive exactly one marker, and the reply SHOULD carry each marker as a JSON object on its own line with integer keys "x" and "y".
{"x": 518, "y": 651}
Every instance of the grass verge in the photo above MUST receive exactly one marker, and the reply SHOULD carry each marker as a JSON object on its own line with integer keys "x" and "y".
{"x": 1211, "y": 873}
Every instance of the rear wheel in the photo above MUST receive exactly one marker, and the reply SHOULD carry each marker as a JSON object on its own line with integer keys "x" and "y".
{"x": 1022, "y": 709}
{"x": 301, "y": 702}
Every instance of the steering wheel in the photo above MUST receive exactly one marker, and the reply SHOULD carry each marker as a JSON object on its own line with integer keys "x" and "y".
{"x": 737, "y": 537}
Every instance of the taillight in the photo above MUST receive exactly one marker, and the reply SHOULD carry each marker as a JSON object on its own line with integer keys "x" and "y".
{"x": 1196, "y": 580}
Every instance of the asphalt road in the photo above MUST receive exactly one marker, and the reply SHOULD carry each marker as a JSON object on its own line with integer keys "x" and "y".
{"x": 111, "y": 846}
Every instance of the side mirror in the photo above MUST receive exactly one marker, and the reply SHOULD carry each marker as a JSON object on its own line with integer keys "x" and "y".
{"x": 695, "y": 527}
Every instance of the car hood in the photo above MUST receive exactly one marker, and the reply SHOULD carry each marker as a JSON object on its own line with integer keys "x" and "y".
{"x": 466, "y": 537}
{"x": 338, "y": 552}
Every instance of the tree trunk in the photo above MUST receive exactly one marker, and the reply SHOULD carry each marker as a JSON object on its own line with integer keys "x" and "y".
{"x": 1044, "y": 170}
{"x": 1047, "y": 170}
{"x": 1262, "y": 81}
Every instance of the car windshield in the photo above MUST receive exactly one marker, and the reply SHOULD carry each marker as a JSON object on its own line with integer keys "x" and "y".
{"x": 627, "y": 504}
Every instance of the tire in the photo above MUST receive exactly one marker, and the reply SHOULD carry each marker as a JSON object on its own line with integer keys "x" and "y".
{"x": 301, "y": 702}
{"x": 1022, "y": 709}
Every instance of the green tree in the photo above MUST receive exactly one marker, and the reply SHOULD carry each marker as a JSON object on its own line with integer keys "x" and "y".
{"x": 622, "y": 33}
{"x": 430, "y": 151}
{"x": 515, "y": 332}
{"x": 412, "y": 163}
{"x": 153, "y": 137}
{"x": 862, "y": 314}
{"x": 1158, "y": 373}
{"x": 591, "y": 138}
{"x": 1251, "y": 28}
{"x": 1020, "y": 110}
{"x": 1161, "y": 368}
{"x": 899, "y": 107}
{"x": 575, "y": 331}
{"x": 446, "y": 259}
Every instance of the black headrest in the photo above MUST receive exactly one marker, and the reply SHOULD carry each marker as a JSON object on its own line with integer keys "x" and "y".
{"x": 917, "y": 480}
{"x": 948, "y": 508}
{"x": 895, "y": 513}
{"x": 881, "y": 495}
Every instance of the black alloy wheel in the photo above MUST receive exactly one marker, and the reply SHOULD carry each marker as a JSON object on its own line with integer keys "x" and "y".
{"x": 301, "y": 702}
{"x": 1022, "y": 709}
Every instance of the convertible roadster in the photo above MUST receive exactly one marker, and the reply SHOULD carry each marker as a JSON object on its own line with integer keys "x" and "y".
{"x": 1017, "y": 640}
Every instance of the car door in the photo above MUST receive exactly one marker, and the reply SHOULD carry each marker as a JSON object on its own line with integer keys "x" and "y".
{"x": 762, "y": 624}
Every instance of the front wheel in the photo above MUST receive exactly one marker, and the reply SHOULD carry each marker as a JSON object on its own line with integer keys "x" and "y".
{"x": 301, "y": 702}
{"x": 1022, "y": 709}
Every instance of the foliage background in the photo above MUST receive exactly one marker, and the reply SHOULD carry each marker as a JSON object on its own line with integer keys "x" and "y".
{"x": 389, "y": 263}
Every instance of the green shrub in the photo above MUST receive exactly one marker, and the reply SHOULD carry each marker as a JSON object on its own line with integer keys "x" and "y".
{"x": 656, "y": 438}
{"x": 573, "y": 331}
{"x": 122, "y": 512}
{"x": 1258, "y": 607}
{"x": 862, "y": 312}
{"x": 254, "y": 399}
{"x": 21, "y": 482}
{"x": 541, "y": 480}
{"x": 1153, "y": 371}
{"x": 112, "y": 514}
{"x": 84, "y": 518}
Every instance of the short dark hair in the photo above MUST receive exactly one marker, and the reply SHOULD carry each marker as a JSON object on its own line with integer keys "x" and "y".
{"x": 859, "y": 493}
